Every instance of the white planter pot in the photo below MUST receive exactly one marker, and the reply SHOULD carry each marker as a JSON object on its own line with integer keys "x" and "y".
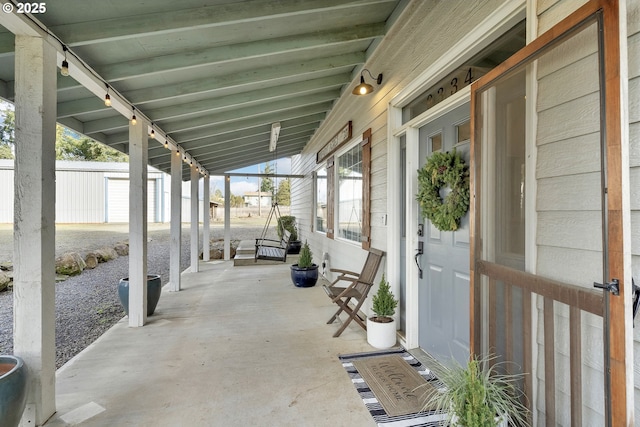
{"x": 381, "y": 335}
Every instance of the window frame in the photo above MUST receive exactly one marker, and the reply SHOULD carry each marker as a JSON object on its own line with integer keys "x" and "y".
{"x": 333, "y": 194}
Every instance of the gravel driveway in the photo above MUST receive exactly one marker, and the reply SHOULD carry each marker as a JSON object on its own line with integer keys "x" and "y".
{"x": 87, "y": 305}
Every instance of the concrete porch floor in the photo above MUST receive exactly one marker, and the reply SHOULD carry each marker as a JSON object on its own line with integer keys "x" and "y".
{"x": 238, "y": 346}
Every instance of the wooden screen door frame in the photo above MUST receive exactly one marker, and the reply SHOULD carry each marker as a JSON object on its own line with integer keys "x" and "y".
{"x": 614, "y": 130}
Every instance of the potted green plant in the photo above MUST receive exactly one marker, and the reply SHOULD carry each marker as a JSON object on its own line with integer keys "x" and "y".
{"x": 381, "y": 328}
{"x": 478, "y": 395}
{"x": 304, "y": 274}
{"x": 288, "y": 222}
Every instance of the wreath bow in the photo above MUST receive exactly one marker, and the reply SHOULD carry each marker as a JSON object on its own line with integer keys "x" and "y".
{"x": 444, "y": 170}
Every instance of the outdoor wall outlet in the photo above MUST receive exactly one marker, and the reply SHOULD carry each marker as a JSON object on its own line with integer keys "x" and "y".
{"x": 384, "y": 219}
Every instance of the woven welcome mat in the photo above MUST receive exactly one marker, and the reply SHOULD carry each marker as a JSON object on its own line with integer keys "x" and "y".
{"x": 386, "y": 381}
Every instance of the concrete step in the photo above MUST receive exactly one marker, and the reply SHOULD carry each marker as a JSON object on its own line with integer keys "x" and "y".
{"x": 246, "y": 247}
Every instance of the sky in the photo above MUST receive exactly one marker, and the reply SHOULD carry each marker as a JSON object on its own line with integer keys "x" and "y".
{"x": 240, "y": 185}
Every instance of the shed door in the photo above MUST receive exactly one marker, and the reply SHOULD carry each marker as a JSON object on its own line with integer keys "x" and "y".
{"x": 118, "y": 200}
{"x": 444, "y": 286}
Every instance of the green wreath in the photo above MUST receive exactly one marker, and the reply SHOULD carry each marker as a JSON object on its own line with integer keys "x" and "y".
{"x": 444, "y": 170}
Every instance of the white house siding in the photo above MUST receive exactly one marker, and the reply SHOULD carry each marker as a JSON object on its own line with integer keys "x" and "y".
{"x": 422, "y": 33}
{"x": 6, "y": 194}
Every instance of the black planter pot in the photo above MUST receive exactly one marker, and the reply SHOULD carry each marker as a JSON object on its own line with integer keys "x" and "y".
{"x": 13, "y": 390}
{"x": 304, "y": 277}
{"x": 154, "y": 289}
{"x": 294, "y": 247}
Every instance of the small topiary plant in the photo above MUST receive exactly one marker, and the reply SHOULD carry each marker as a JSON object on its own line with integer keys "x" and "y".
{"x": 384, "y": 303}
{"x": 306, "y": 257}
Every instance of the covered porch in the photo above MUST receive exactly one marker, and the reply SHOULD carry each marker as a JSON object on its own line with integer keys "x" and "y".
{"x": 237, "y": 346}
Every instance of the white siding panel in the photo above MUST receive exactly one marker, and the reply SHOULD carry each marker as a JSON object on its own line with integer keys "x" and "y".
{"x": 569, "y": 193}
{"x": 577, "y": 267}
{"x": 578, "y": 80}
{"x": 634, "y": 176}
{"x": 579, "y": 230}
{"x": 118, "y": 200}
{"x": 634, "y": 54}
{"x": 634, "y": 149}
{"x": 568, "y": 120}
{"x": 569, "y": 157}
{"x": 6, "y": 195}
{"x": 634, "y": 100}
{"x": 79, "y": 197}
{"x": 556, "y": 13}
{"x": 633, "y": 18}
{"x": 571, "y": 51}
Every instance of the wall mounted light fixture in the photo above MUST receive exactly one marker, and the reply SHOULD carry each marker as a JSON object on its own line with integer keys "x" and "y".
{"x": 365, "y": 88}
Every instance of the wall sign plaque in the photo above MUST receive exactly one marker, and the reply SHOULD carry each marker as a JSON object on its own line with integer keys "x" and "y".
{"x": 334, "y": 143}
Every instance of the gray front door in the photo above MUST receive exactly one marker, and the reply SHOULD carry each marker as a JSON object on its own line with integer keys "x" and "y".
{"x": 444, "y": 285}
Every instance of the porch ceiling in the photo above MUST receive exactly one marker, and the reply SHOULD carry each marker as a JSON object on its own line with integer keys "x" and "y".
{"x": 213, "y": 77}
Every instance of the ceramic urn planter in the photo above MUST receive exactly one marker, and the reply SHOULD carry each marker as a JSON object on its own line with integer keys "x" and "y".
{"x": 154, "y": 289}
{"x": 381, "y": 335}
{"x": 13, "y": 390}
{"x": 304, "y": 277}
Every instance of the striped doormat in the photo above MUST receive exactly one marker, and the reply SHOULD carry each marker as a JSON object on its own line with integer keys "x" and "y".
{"x": 373, "y": 404}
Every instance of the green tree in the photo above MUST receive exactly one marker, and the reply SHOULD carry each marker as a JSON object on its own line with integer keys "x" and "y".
{"x": 283, "y": 196}
{"x": 69, "y": 144}
{"x": 266, "y": 184}
{"x": 73, "y": 146}
{"x": 8, "y": 125}
{"x": 217, "y": 195}
{"x": 7, "y": 131}
{"x": 5, "y": 152}
{"x": 237, "y": 201}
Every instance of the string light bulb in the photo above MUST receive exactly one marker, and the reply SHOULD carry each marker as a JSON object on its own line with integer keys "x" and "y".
{"x": 134, "y": 121}
{"x": 153, "y": 133}
{"x": 64, "y": 69}
{"x": 107, "y": 98}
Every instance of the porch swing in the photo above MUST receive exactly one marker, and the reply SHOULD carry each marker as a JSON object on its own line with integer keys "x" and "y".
{"x": 271, "y": 249}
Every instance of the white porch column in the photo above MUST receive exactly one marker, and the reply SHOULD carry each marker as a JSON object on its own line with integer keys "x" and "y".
{"x": 34, "y": 316}
{"x": 176, "y": 221}
{"x": 206, "y": 223}
{"x": 227, "y": 218}
{"x": 138, "y": 156}
{"x": 195, "y": 226}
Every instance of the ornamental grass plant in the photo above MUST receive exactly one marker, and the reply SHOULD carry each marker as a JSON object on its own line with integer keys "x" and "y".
{"x": 478, "y": 395}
